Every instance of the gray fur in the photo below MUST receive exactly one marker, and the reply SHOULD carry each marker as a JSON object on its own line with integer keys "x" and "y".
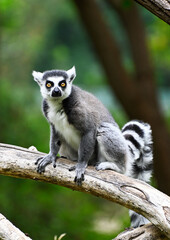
{"x": 86, "y": 130}
{"x": 112, "y": 148}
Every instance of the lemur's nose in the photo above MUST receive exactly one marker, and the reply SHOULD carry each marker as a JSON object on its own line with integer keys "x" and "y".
{"x": 56, "y": 92}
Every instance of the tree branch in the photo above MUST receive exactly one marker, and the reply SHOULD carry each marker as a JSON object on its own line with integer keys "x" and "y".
{"x": 133, "y": 194}
{"x": 9, "y": 232}
{"x": 149, "y": 232}
{"x": 160, "y": 8}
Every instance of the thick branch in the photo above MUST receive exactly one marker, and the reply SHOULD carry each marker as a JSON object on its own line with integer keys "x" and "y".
{"x": 160, "y": 8}
{"x": 134, "y": 194}
{"x": 9, "y": 232}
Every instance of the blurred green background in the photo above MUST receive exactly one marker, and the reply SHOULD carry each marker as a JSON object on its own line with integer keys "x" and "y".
{"x": 41, "y": 35}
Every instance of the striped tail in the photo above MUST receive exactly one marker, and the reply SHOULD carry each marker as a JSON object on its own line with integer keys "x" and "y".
{"x": 139, "y": 139}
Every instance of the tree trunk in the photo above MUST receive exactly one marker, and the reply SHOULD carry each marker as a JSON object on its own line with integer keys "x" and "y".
{"x": 137, "y": 94}
{"x": 131, "y": 193}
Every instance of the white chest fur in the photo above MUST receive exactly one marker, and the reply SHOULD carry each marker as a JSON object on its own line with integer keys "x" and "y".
{"x": 59, "y": 119}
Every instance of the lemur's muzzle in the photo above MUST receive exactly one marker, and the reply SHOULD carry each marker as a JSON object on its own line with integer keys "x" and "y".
{"x": 56, "y": 92}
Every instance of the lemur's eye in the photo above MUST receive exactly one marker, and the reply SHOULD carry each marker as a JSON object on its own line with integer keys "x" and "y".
{"x": 63, "y": 84}
{"x": 48, "y": 84}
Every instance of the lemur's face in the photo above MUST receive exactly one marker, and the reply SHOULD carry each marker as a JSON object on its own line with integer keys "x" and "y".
{"x": 55, "y": 84}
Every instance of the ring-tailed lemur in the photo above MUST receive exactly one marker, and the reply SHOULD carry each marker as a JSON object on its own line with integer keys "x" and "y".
{"x": 83, "y": 130}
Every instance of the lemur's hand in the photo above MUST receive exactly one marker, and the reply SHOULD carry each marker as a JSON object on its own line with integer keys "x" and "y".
{"x": 42, "y": 162}
{"x": 80, "y": 169}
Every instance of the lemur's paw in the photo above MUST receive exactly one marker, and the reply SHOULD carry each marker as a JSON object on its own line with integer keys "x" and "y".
{"x": 42, "y": 162}
{"x": 79, "y": 178}
{"x": 101, "y": 166}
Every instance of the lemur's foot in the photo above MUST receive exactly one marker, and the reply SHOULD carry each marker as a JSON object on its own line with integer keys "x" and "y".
{"x": 42, "y": 162}
{"x": 108, "y": 166}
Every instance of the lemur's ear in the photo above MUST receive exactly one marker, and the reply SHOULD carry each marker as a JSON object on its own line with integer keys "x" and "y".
{"x": 37, "y": 77}
{"x": 71, "y": 73}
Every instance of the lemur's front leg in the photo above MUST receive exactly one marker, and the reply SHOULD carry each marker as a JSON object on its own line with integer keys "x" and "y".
{"x": 86, "y": 149}
{"x": 42, "y": 162}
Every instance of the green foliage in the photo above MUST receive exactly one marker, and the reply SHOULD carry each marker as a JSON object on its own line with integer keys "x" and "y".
{"x": 40, "y": 35}
{"x": 45, "y": 210}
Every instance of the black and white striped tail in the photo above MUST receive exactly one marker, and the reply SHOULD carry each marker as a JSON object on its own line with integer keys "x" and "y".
{"x": 139, "y": 139}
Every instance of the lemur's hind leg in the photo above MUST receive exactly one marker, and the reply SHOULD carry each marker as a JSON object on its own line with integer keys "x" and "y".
{"x": 112, "y": 148}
